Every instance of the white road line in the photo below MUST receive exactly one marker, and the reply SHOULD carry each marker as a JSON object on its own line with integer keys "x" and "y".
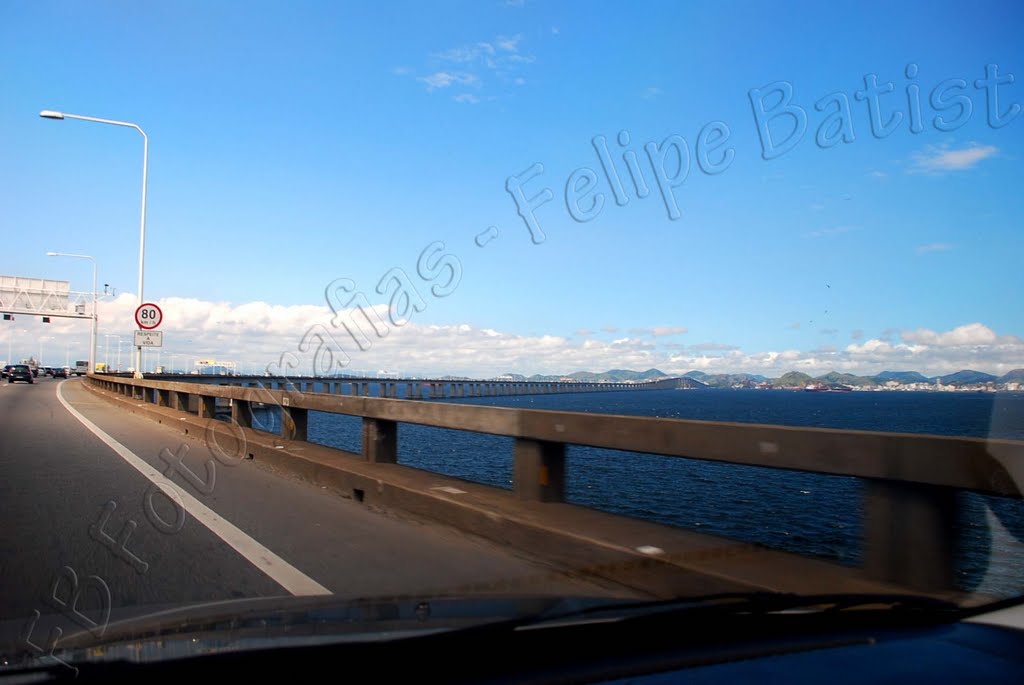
{"x": 279, "y": 570}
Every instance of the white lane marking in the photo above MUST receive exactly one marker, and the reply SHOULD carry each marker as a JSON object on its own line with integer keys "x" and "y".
{"x": 279, "y": 570}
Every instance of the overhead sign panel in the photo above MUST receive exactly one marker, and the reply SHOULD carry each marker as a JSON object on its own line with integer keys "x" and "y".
{"x": 41, "y": 296}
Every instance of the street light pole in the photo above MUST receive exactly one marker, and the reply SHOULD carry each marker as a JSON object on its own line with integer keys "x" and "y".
{"x": 49, "y": 114}
{"x": 92, "y": 335}
{"x": 106, "y": 355}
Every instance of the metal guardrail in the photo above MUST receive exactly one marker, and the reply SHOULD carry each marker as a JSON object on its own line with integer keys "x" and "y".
{"x": 911, "y": 508}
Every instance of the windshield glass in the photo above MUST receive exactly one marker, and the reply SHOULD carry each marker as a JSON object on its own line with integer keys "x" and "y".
{"x": 514, "y": 300}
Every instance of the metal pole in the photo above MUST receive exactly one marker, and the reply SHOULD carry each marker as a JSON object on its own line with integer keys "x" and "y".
{"x": 142, "y": 239}
{"x": 48, "y": 114}
{"x": 95, "y": 316}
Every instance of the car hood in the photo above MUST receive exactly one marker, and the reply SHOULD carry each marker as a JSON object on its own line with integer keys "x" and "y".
{"x": 258, "y": 623}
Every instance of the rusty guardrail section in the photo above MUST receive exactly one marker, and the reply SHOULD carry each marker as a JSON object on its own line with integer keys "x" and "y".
{"x": 910, "y": 512}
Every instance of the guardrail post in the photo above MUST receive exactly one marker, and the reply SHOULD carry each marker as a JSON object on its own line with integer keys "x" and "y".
{"x": 910, "y": 534}
{"x": 179, "y": 400}
{"x": 294, "y": 422}
{"x": 163, "y": 398}
{"x": 539, "y": 470}
{"x": 380, "y": 441}
{"x": 241, "y": 413}
{"x": 207, "y": 407}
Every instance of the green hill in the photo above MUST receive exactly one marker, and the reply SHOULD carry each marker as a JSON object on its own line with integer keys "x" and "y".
{"x": 836, "y": 378}
{"x": 901, "y": 377}
{"x": 1014, "y": 376}
{"x": 966, "y": 377}
{"x": 793, "y": 379}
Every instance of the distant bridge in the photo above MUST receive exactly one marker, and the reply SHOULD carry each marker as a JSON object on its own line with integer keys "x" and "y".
{"x": 423, "y": 388}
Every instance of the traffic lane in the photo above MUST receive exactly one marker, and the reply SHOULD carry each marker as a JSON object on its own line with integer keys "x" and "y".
{"x": 348, "y": 548}
{"x": 56, "y": 479}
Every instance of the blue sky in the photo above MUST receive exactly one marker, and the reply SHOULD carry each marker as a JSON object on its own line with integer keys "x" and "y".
{"x": 295, "y": 144}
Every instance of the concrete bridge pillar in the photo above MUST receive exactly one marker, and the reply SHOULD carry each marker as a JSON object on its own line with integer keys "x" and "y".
{"x": 539, "y": 470}
{"x": 380, "y": 441}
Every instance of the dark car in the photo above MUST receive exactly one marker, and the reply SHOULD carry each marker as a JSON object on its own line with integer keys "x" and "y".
{"x": 6, "y": 369}
{"x": 19, "y": 372}
{"x": 59, "y": 373}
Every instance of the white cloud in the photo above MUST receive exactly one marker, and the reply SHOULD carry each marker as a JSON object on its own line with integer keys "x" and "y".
{"x": 968, "y": 334}
{"x": 509, "y": 44}
{"x": 443, "y": 79}
{"x": 651, "y": 92}
{"x": 934, "y": 247}
{"x": 826, "y": 232}
{"x": 938, "y": 159}
{"x": 714, "y": 347}
{"x": 467, "y": 98}
{"x": 256, "y": 334}
{"x": 473, "y": 64}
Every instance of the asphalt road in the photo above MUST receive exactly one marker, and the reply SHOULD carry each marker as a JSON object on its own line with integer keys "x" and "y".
{"x": 246, "y": 532}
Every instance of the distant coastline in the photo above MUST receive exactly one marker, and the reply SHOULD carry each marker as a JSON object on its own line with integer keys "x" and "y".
{"x": 965, "y": 380}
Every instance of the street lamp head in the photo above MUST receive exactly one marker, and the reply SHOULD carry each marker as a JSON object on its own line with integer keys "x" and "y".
{"x": 50, "y": 114}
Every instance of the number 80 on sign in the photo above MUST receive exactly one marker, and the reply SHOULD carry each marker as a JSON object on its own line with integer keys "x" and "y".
{"x": 148, "y": 316}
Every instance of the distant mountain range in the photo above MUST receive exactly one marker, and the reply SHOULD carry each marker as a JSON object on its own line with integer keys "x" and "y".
{"x": 790, "y": 379}
{"x": 612, "y": 376}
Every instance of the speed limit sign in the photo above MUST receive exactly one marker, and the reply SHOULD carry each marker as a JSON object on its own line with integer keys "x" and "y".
{"x": 148, "y": 316}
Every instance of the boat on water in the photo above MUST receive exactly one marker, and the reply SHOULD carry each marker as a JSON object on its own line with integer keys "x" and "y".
{"x": 820, "y": 387}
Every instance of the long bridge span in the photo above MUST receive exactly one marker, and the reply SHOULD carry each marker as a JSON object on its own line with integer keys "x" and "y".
{"x": 423, "y": 388}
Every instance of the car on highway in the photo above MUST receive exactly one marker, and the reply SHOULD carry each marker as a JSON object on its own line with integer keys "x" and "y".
{"x": 6, "y": 369}
{"x": 59, "y": 372}
{"x": 20, "y": 372}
